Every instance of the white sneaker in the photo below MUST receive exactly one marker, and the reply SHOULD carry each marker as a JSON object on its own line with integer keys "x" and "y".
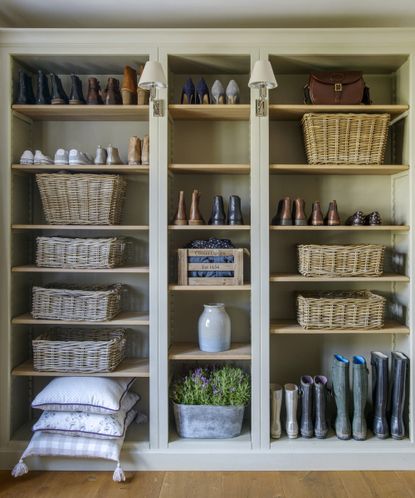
{"x": 26, "y": 157}
{"x": 61, "y": 157}
{"x": 78, "y": 158}
{"x": 40, "y": 158}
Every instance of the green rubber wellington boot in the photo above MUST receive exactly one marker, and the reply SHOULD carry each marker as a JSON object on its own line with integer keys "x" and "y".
{"x": 340, "y": 376}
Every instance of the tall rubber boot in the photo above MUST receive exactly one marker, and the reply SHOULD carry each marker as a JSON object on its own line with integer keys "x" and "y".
{"x": 340, "y": 376}
{"x": 360, "y": 383}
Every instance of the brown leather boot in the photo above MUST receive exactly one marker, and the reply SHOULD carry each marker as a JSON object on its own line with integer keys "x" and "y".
{"x": 316, "y": 217}
{"x": 134, "y": 151}
{"x": 195, "y": 217}
{"x": 298, "y": 216}
{"x": 284, "y": 214}
{"x": 143, "y": 96}
{"x": 94, "y": 92}
{"x": 180, "y": 216}
{"x": 332, "y": 217}
{"x": 112, "y": 94}
{"x": 129, "y": 86}
{"x": 145, "y": 151}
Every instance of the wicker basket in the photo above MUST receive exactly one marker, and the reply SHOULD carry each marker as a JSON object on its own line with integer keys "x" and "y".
{"x": 345, "y": 138}
{"x": 340, "y": 310}
{"x": 81, "y": 199}
{"x": 81, "y": 304}
{"x": 81, "y": 351}
{"x": 60, "y": 252}
{"x": 362, "y": 260}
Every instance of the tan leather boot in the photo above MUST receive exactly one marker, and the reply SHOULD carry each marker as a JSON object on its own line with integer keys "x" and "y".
{"x": 134, "y": 151}
{"x": 299, "y": 217}
{"x": 180, "y": 216}
{"x": 143, "y": 96}
{"x": 129, "y": 86}
{"x": 316, "y": 217}
{"x": 332, "y": 217}
{"x": 145, "y": 151}
{"x": 195, "y": 217}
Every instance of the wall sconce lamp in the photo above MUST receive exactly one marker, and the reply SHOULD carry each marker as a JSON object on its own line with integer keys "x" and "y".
{"x": 152, "y": 78}
{"x": 262, "y": 77}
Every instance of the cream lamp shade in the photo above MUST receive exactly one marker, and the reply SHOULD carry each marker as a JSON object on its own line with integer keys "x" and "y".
{"x": 152, "y": 76}
{"x": 262, "y": 76}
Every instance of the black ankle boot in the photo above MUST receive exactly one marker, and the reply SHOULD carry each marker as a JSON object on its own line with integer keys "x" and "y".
{"x": 25, "y": 93}
{"x": 43, "y": 95}
{"x": 76, "y": 96}
{"x": 379, "y": 362}
{"x": 398, "y": 380}
{"x": 217, "y": 216}
{"x": 58, "y": 93}
{"x": 234, "y": 211}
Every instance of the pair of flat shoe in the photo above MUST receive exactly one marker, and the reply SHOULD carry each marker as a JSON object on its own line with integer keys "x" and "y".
{"x": 37, "y": 158}
{"x": 358, "y": 218}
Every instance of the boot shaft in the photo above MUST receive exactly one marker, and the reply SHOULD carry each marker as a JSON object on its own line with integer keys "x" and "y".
{"x": 380, "y": 386}
{"x": 298, "y": 213}
{"x": 291, "y": 404}
{"x": 306, "y": 426}
{"x": 235, "y": 211}
{"x": 76, "y": 96}
{"x": 217, "y": 216}
{"x": 134, "y": 151}
{"x": 145, "y": 150}
{"x": 129, "y": 86}
{"x": 180, "y": 217}
{"x": 94, "y": 92}
{"x": 25, "y": 93}
{"x": 195, "y": 218}
{"x": 112, "y": 94}
{"x": 360, "y": 386}
{"x": 276, "y": 403}
{"x": 399, "y": 369}
{"x": 340, "y": 376}
{"x": 320, "y": 406}
{"x": 143, "y": 96}
{"x": 58, "y": 93}
{"x": 316, "y": 217}
{"x": 43, "y": 94}
{"x": 332, "y": 217}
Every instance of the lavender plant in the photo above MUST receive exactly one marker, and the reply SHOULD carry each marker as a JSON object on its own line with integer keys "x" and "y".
{"x": 221, "y": 386}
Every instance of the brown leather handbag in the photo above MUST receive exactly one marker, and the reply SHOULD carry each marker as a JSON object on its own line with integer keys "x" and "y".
{"x": 331, "y": 88}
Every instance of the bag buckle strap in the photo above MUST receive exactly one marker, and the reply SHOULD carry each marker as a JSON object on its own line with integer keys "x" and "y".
{"x": 338, "y": 87}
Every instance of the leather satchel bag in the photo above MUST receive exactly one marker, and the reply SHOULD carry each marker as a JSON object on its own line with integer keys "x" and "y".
{"x": 341, "y": 88}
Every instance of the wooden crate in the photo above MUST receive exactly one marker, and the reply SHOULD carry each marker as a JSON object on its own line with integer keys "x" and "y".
{"x": 237, "y": 267}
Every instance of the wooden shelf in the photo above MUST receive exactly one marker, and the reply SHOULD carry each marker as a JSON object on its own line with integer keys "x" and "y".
{"x": 341, "y": 228}
{"x": 294, "y": 112}
{"x": 116, "y": 228}
{"x": 191, "y": 351}
{"x": 84, "y": 112}
{"x": 210, "y": 112}
{"x": 201, "y": 288}
{"x": 336, "y": 169}
{"x": 227, "y": 169}
{"x": 210, "y": 227}
{"x": 125, "y": 318}
{"x": 296, "y": 277}
{"x": 291, "y": 327}
{"x": 121, "y": 269}
{"x": 130, "y": 367}
{"x": 90, "y": 168}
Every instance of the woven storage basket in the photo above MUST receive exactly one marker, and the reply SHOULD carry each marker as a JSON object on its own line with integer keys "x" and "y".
{"x": 81, "y": 199}
{"x": 60, "y": 252}
{"x": 341, "y": 260}
{"x": 74, "y": 350}
{"x": 340, "y": 310}
{"x": 345, "y": 138}
{"x": 82, "y": 304}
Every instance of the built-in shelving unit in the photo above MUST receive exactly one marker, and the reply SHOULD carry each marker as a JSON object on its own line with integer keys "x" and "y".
{"x": 187, "y": 351}
{"x": 219, "y": 112}
{"x": 202, "y": 169}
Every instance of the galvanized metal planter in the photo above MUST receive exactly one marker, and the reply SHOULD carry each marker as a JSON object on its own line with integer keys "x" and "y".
{"x": 208, "y": 421}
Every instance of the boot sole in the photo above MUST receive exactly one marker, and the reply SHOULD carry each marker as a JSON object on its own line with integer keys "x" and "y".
{"x": 344, "y": 438}
{"x": 57, "y": 102}
{"x": 76, "y": 102}
{"x": 300, "y": 223}
{"x": 283, "y": 223}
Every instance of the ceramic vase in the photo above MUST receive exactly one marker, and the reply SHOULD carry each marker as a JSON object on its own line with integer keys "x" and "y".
{"x": 214, "y": 328}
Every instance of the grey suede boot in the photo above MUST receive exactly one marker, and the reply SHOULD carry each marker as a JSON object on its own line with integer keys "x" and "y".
{"x": 340, "y": 376}
{"x": 379, "y": 362}
{"x": 360, "y": 383}
{"x": 320, "y": 401}
{"x": 306, "y": 426}
{"x": 398, "y": 378}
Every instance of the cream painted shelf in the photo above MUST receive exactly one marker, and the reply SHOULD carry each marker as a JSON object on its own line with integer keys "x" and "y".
{"x": 88, "y": 168}
{"x": 212, "y": 112}
{"x": 336, "y": 169}
{"x": 121, "y": 269}
{"x": 191, "y": 351}
{"x": 296, "y": 277}
{"x": 291, "y": 327}
{"x": 125, "y": 318}
{"x": 294, "y": 112}
{"x": 236, "y": 228}
{"x": 226, "y": 169}
{"x": 238, "y": 443}
{"x": 341, "y": 228}
{"x": 83, "y": 112}
{"x": 202, "y": 288}
{"x": 130, "y": 367}
{"x": 115, "y": 228}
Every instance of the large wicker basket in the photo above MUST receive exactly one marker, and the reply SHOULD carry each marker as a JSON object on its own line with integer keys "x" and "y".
{"x": 359, "y": 260}
{"x": 81, "y": 199}
{"x": 81, "y": 304}
{"x": 81, "y": 351}
{"x": 345, "y": 138}
{"x": 340, "y": 310}
{"x": 61, "y": 252}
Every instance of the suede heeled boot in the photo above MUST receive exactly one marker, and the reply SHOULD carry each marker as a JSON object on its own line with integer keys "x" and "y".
{"x": 291, "y": 404}
{"x": 276, "y": 403}
{"x": 129, "y": 86}
{"x": 399, "y": 369}
{"x": 217, "y": 216}
{"x": 380, "y": 386}
{"x": 320, "y": 406}
{"x": 340, "y": 376}
{"x": 360, "y": 385}
{"x": 306, "y": 424}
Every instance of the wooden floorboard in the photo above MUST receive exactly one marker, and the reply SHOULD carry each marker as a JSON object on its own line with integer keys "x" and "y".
{"x": 210, "y": 485}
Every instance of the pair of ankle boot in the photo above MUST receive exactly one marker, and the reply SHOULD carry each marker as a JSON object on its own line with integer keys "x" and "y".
{"x": 138, "y": 151}
{"x": 293, "y": 213}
